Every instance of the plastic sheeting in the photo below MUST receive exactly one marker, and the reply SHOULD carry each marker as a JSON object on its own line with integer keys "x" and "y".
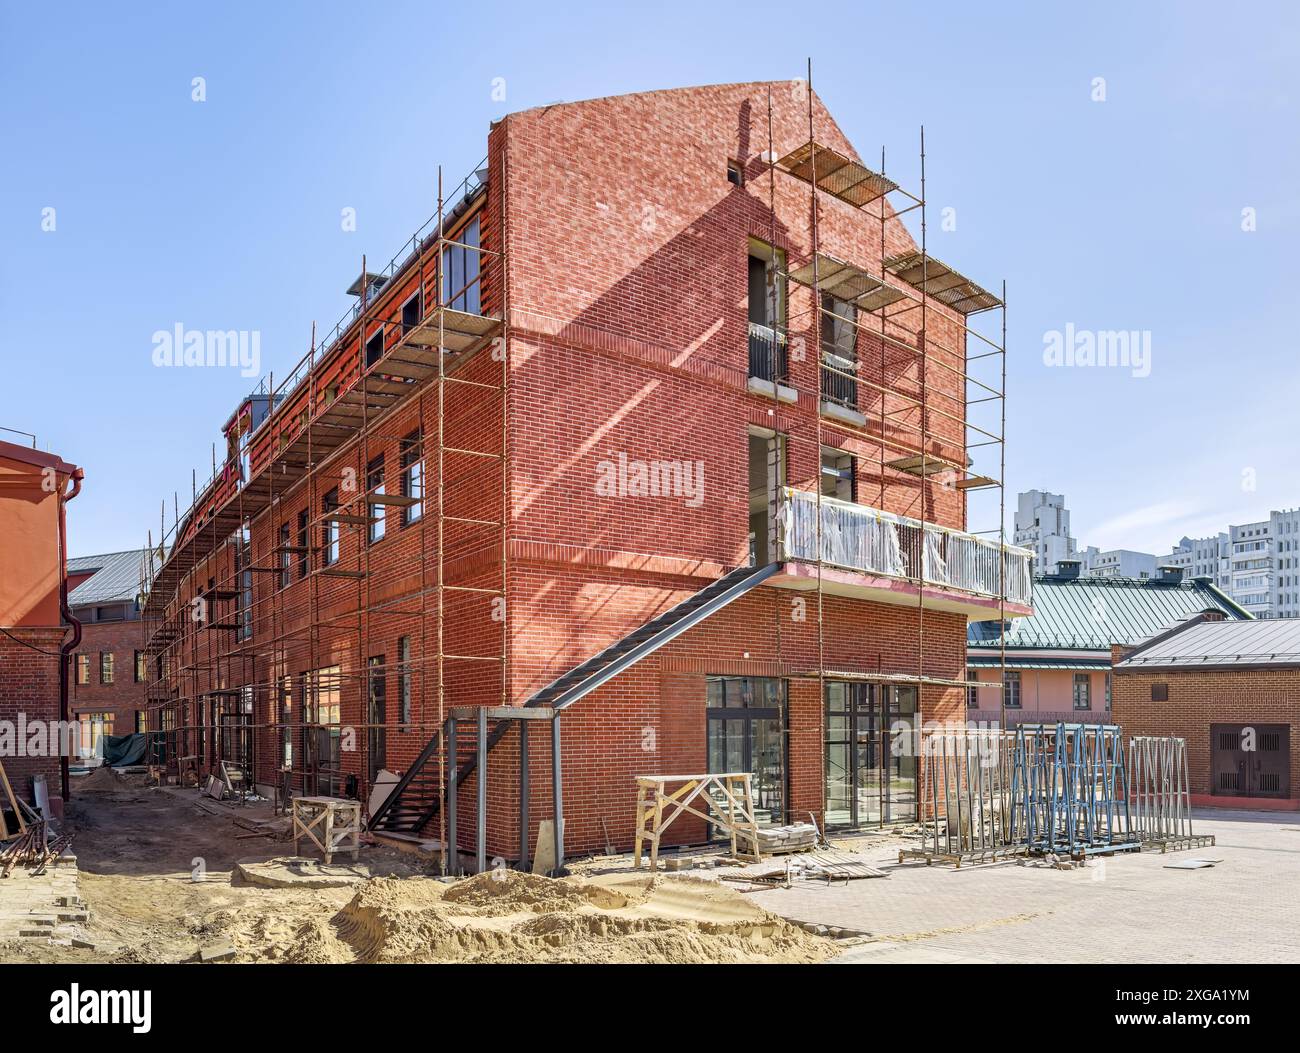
{"x": 860, "y": 538}
{"x": 122, "y": 751}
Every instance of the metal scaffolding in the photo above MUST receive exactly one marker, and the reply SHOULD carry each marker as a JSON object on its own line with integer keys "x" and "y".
{"x": 229, "y": 656}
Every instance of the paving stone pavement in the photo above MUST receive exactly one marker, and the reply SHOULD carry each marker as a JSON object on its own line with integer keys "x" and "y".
{"x": 42, "y": 906}
{"x": 1127, "y": 908}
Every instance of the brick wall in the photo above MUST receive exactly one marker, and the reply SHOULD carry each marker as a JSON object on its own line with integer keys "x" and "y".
{"x": 124, "y": 697}
{"x": 626, "y": 336}
{"x": 29, "y": 691}
{"x": 1199, "y": 698}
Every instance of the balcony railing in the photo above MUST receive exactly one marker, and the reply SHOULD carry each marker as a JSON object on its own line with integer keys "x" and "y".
{"x": 768, "y": 356}
{"x": 856, "y": 537}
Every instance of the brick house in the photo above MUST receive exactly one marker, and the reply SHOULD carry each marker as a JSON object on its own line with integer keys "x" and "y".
{"x": 107, "y": 673}
{"x": 1231, "y": 689}
{"x": 34, "y": 488}
{"x": 605, "y": 499}
{"x": 1058, "y": 660}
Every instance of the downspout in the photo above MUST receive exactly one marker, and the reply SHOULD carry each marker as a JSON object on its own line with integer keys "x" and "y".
{"x": 66, "y": 650}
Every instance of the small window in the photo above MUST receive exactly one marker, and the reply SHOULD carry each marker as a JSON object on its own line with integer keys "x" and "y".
{"x": 302, "y": 544}
{"x": 105, "y": 667}
{"x": 375, "y": 348}
{"x": 735, "y": 173}
{"x": 83, "y": 669}
{"x": 141, "y": 721}
{"x": 375, "y": 510}
{"x": 1011, "y": 689}
{"x": 330, "y": 530}
{"x": 286, "y": 557}
{"x": 139, "y": 667}
{"x": 412, "y": 478}
{"x": 404, "y": 681}
{"x": 1159, "y": 692}
{"x": 411, "y": 313}
{"x": 972, "y": 697}
{"x": 1082, "y": 691}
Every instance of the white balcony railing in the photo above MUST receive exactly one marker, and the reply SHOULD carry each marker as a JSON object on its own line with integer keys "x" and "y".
{"x": 856, "y": 537}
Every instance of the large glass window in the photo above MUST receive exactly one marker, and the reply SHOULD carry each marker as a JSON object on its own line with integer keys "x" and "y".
{"x": 746, "y": 732}
{"x": 323, "y": 734}
{"x": 870, "y": 754}
{"x": 460, "y": 270}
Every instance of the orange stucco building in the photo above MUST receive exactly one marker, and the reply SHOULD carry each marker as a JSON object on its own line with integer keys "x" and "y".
{"x": 34, "y": 488}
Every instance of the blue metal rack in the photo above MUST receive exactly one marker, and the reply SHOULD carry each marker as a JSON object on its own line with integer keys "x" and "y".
{"x": 1070, "y": 790}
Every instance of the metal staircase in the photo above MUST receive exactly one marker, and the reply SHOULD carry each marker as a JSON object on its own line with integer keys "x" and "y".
{"x": 418, "y": 795}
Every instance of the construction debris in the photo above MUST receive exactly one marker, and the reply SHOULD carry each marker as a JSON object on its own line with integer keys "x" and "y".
{"x": 1192, "y": 864}
{"x": 32, "y": 847}
{"x": 777, "y": 840}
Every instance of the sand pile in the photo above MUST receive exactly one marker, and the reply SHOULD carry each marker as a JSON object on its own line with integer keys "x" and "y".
{"x": 511, "y": 917}
{"x": 101, "y": 780}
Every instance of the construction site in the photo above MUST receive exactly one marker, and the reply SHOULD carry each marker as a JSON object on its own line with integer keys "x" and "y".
{"x": 714, "y": 486}
{"x": 596, "y": 589}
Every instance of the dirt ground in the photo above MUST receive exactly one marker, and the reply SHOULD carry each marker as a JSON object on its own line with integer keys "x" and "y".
{"x": 156, "y": 875}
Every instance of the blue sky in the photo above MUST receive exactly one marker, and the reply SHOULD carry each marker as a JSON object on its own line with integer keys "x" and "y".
{"x": 1122, "y": 214}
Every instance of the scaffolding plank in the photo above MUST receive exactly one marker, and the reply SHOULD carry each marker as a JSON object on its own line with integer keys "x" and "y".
{"x": 846, "y": 282}
{"x": 940, "y": 281}
{"x": 840, "y": 176}
{"x": 927, "y": 465}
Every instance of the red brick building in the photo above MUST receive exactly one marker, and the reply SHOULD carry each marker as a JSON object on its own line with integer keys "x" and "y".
{"x": 1231, "y": 689}
{"x": 107, "y": 673}
{"x": 687, "y": 348}
{"x": 34, "y": 488}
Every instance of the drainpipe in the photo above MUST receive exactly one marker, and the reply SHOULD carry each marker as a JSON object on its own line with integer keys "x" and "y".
{"x": 77, "y": 476}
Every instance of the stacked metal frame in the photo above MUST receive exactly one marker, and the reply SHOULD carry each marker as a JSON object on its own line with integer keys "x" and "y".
{"x": 1070, "y": 790}
{"x": 1159, "y": 794}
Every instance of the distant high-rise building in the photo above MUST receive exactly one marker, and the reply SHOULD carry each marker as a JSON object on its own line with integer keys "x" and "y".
{"x": 1119, "y": 563}
{"x": 1285, "y": 529}
{"x": 1205, "y": 557}
{"x": 1042, "y": 525}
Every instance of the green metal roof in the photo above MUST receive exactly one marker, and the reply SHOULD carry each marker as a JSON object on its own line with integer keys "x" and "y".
{"x": 1087, "y": 663}
{"x": 1090, "y": 614}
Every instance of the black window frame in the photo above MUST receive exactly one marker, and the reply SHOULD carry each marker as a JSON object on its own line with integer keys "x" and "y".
{"x": 1083, "y": 680}
{"x": 371, "y": 355}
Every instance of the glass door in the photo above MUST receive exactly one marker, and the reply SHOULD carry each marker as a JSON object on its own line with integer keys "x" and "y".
{"x": 870, "y": 759}
{"x": 746, "y": 732}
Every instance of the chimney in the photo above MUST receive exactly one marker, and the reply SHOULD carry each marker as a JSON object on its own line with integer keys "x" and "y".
{"x": 1068, "y": 568}
{"x": 1169, "y": 575}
